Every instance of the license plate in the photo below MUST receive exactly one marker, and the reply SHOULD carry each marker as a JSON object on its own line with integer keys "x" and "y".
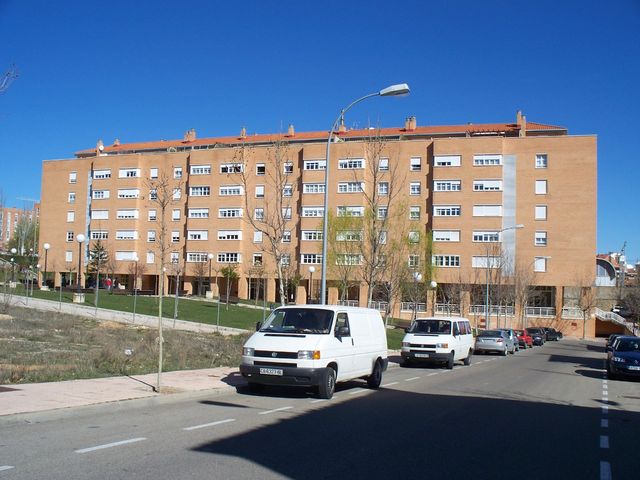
{"x": 634, "y": 368}
{"x": 422, "y": 355}
{"x": 271, "y": 371}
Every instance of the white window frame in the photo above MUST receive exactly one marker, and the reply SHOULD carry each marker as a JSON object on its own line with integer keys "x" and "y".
{"x": 71, "y": 216}
{"x": 204, "y": 169}
{"x": 350, "y": 187}
{"x": 447, "y": 185}
{"x": 151, "y": 236}
{"x": 261, "y": 169}
{"x": 415, "y": 164}
{"x": 200, "y": 191}
{"x": 311, "y": 258}
{"x": 486, "y": 236}
{"x": 311, "y": 236}
{"x": 487, "y": 160}
{"x": 447, "y": 210}
{"x": 484, "y": 261}
{"x": 71, "y": 198}
{"x": 127, "y": 214}
{"x": 542, "y": 160}
{"x": 177, "y": 172}
{"x": 99, "y": 214}
{"x": 197, "y": 257}
{"x": 125, "y": 256}
{"x": 198, "y": 213}
{"x": 445, "y": 261}
{"x": 101, "y": 173}
{"x": 229, "y": 257}
{"x": 153, "y": 173}
{"x": 349, "y": 211}
{"x": 415, "y": 212}
{"x": 126, "y": 235}
{"x": 447, "y": 160}
{"x": 197, "y": 235}
{"x": 259, "y": 191}
{"x": 540, "y": 239}
{"x": 230, "y": 191}
{"x": 383, "y": 165}
{"x": 415, "y": 188}
{"x": 73, "y": 177}
{"x": 129, "y": 173}
{"x": 487, "y": 211}
{"x": 229, "y": 235}
{"x": 230, "y": 212}
{"x": 446, "y": 235}
{"x": 99, "y": 235}
{"x": 312, "y": 212}
{"x": 351, "y": 164}
{"x": 231, "y": 168}
{"x": 128, "y": 193}
{"x": 542, "y": 187}
{"x": 314, "y": 164}
{"x": 257, "y": 236}
{"x": 487, "y": 185}
{"x": 540, "y": 264}
{"x": 312, "y": 188}
{"x": 541, "y": 212}
{"x": 152, "y": 215}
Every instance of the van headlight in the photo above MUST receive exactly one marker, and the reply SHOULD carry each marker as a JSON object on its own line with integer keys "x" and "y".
{"x": 308, "y": 354}
{"x": 248, "y": 352}
{"x": 406, "y": 344}
{"x": 442, "y": 345}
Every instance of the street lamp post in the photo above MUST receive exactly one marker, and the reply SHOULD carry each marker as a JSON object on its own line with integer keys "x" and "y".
{"x": 210, "y": 257}
{"x": 433, "y": 285}
{"x": 486, "y": 301}
{"x": 311, "y": 270}
{"x": 391, "y": 91}
{"x": 46, "y": 247}
{"x": 13, "y": 265}
{"x": 417, "y": 277}
{"x": 135, "y": 286}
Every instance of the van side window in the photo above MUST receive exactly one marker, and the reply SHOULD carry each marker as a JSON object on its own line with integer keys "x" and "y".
{"x": 343, "y": 321}
{"x": 456, "y": 329}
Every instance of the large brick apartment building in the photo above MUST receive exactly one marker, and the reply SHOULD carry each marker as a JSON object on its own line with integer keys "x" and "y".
{"x": 524, "y": 191}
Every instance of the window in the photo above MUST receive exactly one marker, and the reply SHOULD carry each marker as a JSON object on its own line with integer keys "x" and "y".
{"x": 128, "y": 193}
{"x": 485, "y": 262}
{"x": 541, "y": 239}
{"x": 382, "y": 237}
{"x": 70, "y": 236}
{"x": 446, "y": 260}
{"x": 175, "y": 236}
{"x": 177, "y": 194}
{"x": 348, "y": 259}
{"x": 126, "y": 235}
{"x": 447, "y": 160}
{"x": 488, "y": 236}
{"x": 312, "y": 235}
{"x": 99, "y": 214}
{"x": 257, "y": 236}
{"x": 126, "y": 214}
{"x": 446, "y": 210}
{"x": 72, "y": 197}
{"x": 487, "y": 210}
{"x": 73, "y": 177}
{"x": 541, "y": 160}
{"x": 383, "y": 188}
{"x": 129, "y": 173}
{"x": 101, "y": 174}
{"x": 153, "y": 194}
{"x": 414, "y": 237}
{"x": 286, "y": 236}
{"x": 486, "y": 160}
{"x": 229, "y": 234}
{"x": 287, "y": 191}
{"x": 540, "y": 264}
{"x": 348, "y": 236}
{"x": 541, "y": 212}
{"x": 71, "y": 216}
{"x": 200, "y": 170}
{"x": 229, "y": 257}
{"x": 315, "y": 164}
{"x": 151, "y": 236}
{"x": 99, "y": 235}
{"x": 414, "y": 261}
{"x": 229, "y": 168}
{"x": 383, "y": 165}
{"x": 350, "y": 187}
{"x": 415, "y": 164}
{"x": 68, "y": 256}
{"x": 197, "y": 235}
{"x": 312, "y": 211}
{"x": 414, "y": 188}
{"x": 125, "y": 256}
{"x": 382, "y": 212}
{"x": 177, "y": 172}
{"x": 286, "y": 213}
{"x": 487, "y": 185}
{"x": 153, "y": 173}
{"x": 198, "y": 213}
{"x": 285, "y": 259}
{"x": 311, "y": 258}
{"x": 175, "y": 257}
{"x": 258, "y": 214}
{"x": 446, "y": 235}
{"x": 152, "y": 216}
{"x": 414, "y": 213}
{"x": 349, "y": 211}
{"x": 313, "y": 188}
{"x": 259, "y": 191}
{"x": 287, "y": 168}
{"x": 151, "y": 257}
{"x": 197, "y": 257}
{"x": 541, "y": 187}
{"x": 201, "y": 191}
{"x": 256, "y": 259}
{"x": 228, "y": 190}
{"x": 260, "y": 169}
{"x": 350, "y": 163}
{"x": 447, "y": 186}
{"x": 229, "y": 212}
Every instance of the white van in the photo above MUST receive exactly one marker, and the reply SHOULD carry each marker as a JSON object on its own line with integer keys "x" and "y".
{"x": 316, "y": 346}
{"x": 438, "y": 339}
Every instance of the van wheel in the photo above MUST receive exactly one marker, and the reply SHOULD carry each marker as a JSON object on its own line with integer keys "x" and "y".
{"x": 328, "y": 384}
{"x": 375, "y": 378}
{"x": 467, "y": 361}
{"x": 450, "y": 361}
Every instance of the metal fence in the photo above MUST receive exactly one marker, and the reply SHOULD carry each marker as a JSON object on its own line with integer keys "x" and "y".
{"x": 493, "y": 309}
{"x": 382, "y": 306}
{"x": 410, "y": 307}
{"x": 447, "y": 309}
{"x": 348, "y": 303}
{"x": 540, "y": 311}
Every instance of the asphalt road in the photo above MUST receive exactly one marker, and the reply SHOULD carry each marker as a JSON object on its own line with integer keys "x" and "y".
{"x": 544, "y": 413}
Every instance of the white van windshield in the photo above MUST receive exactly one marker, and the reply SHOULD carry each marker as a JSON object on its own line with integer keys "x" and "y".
{"x": 298, "y": 320}
{"x": 430, "y": 326}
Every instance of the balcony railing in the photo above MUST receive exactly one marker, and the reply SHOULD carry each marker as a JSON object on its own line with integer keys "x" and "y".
{"x": 447, "y": 309}
{"x": 382, "y": 306}
{"x": 572, "y": 313}
{"x": 493, "y": 309}
{"x": 348, "y": 303}
{"x": 410, "y": 307}
{"x": 540, "y": 311}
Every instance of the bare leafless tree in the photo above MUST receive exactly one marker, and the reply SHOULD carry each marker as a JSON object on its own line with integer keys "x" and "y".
{"x": 344, "y": 250}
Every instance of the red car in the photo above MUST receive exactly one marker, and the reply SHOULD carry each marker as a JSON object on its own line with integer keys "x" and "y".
{"x": 524, "y": 339}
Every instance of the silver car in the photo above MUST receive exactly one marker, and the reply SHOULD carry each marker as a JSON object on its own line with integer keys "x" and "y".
{"x": 494, "y": 341}
{"x": 513, "y": 336}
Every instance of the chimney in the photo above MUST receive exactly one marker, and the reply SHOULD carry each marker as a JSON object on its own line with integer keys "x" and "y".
{"x": 291, "y": 132}
{"x": 190, "y": 135}
{"x": 521, "y": 120}
{"x": 99, "y": 147}
{"x": 243, "y": 132}
{"x": 410, "y": 123}
{"x": 116, "y": 142}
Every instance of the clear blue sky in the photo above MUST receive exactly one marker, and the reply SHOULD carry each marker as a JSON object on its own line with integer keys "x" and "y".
{"x": 147, "y": 70}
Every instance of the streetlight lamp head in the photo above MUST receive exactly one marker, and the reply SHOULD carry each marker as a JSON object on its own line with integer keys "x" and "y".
{"x": 433, "y": 284}
{"x": 14, "y": 251}
{"x": 399, "y": 89}
{"x": 210, "y": 256}
{"x": 312, "y": 269}
{"x": 46, "y": 246}
{"x": 417, "y": 276}
{"x": 80, "y": 238}
{"x": 520, "y": 225}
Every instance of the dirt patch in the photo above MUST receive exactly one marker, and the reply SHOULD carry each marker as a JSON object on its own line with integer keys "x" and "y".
{"x": 5, "y": 317}
{"x": 111, "y": 324}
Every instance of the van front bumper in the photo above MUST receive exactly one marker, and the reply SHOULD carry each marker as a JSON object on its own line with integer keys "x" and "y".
{"x": 291, "y": 376}
{"x": 425, "y": 356}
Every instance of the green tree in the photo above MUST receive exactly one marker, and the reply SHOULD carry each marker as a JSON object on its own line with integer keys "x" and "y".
{"x": 98, "y": 257}
{"x": 230, "y": 274}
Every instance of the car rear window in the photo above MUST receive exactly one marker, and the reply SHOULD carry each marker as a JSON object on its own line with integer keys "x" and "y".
{"x": 490, "y": 333}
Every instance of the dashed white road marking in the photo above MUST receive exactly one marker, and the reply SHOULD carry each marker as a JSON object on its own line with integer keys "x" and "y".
{"x": 605, "y": 409}
{"x": 411, "y": 379}
{"x": 360, "y": 390}
{"x": 604, "y": 423}
{"x": 318, "y": 400}
{"x": 275, "y": 410}
{"x": 605, "y": 471}
{"x": 604, "y": 441}
{"x": 5, "y": 467}
{"x": 110, "y": 445}
{"x": 212, "y": 424}
{"x": 389, "y": 384}
{"x": 432, "y": 374}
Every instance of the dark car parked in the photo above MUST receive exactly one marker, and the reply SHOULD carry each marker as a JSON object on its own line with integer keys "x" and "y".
{"x": 552, "y": 334}
{"x": 539, "y": 335}
{"x": 612, "y": 338}
{"x": 623, "y": 357}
